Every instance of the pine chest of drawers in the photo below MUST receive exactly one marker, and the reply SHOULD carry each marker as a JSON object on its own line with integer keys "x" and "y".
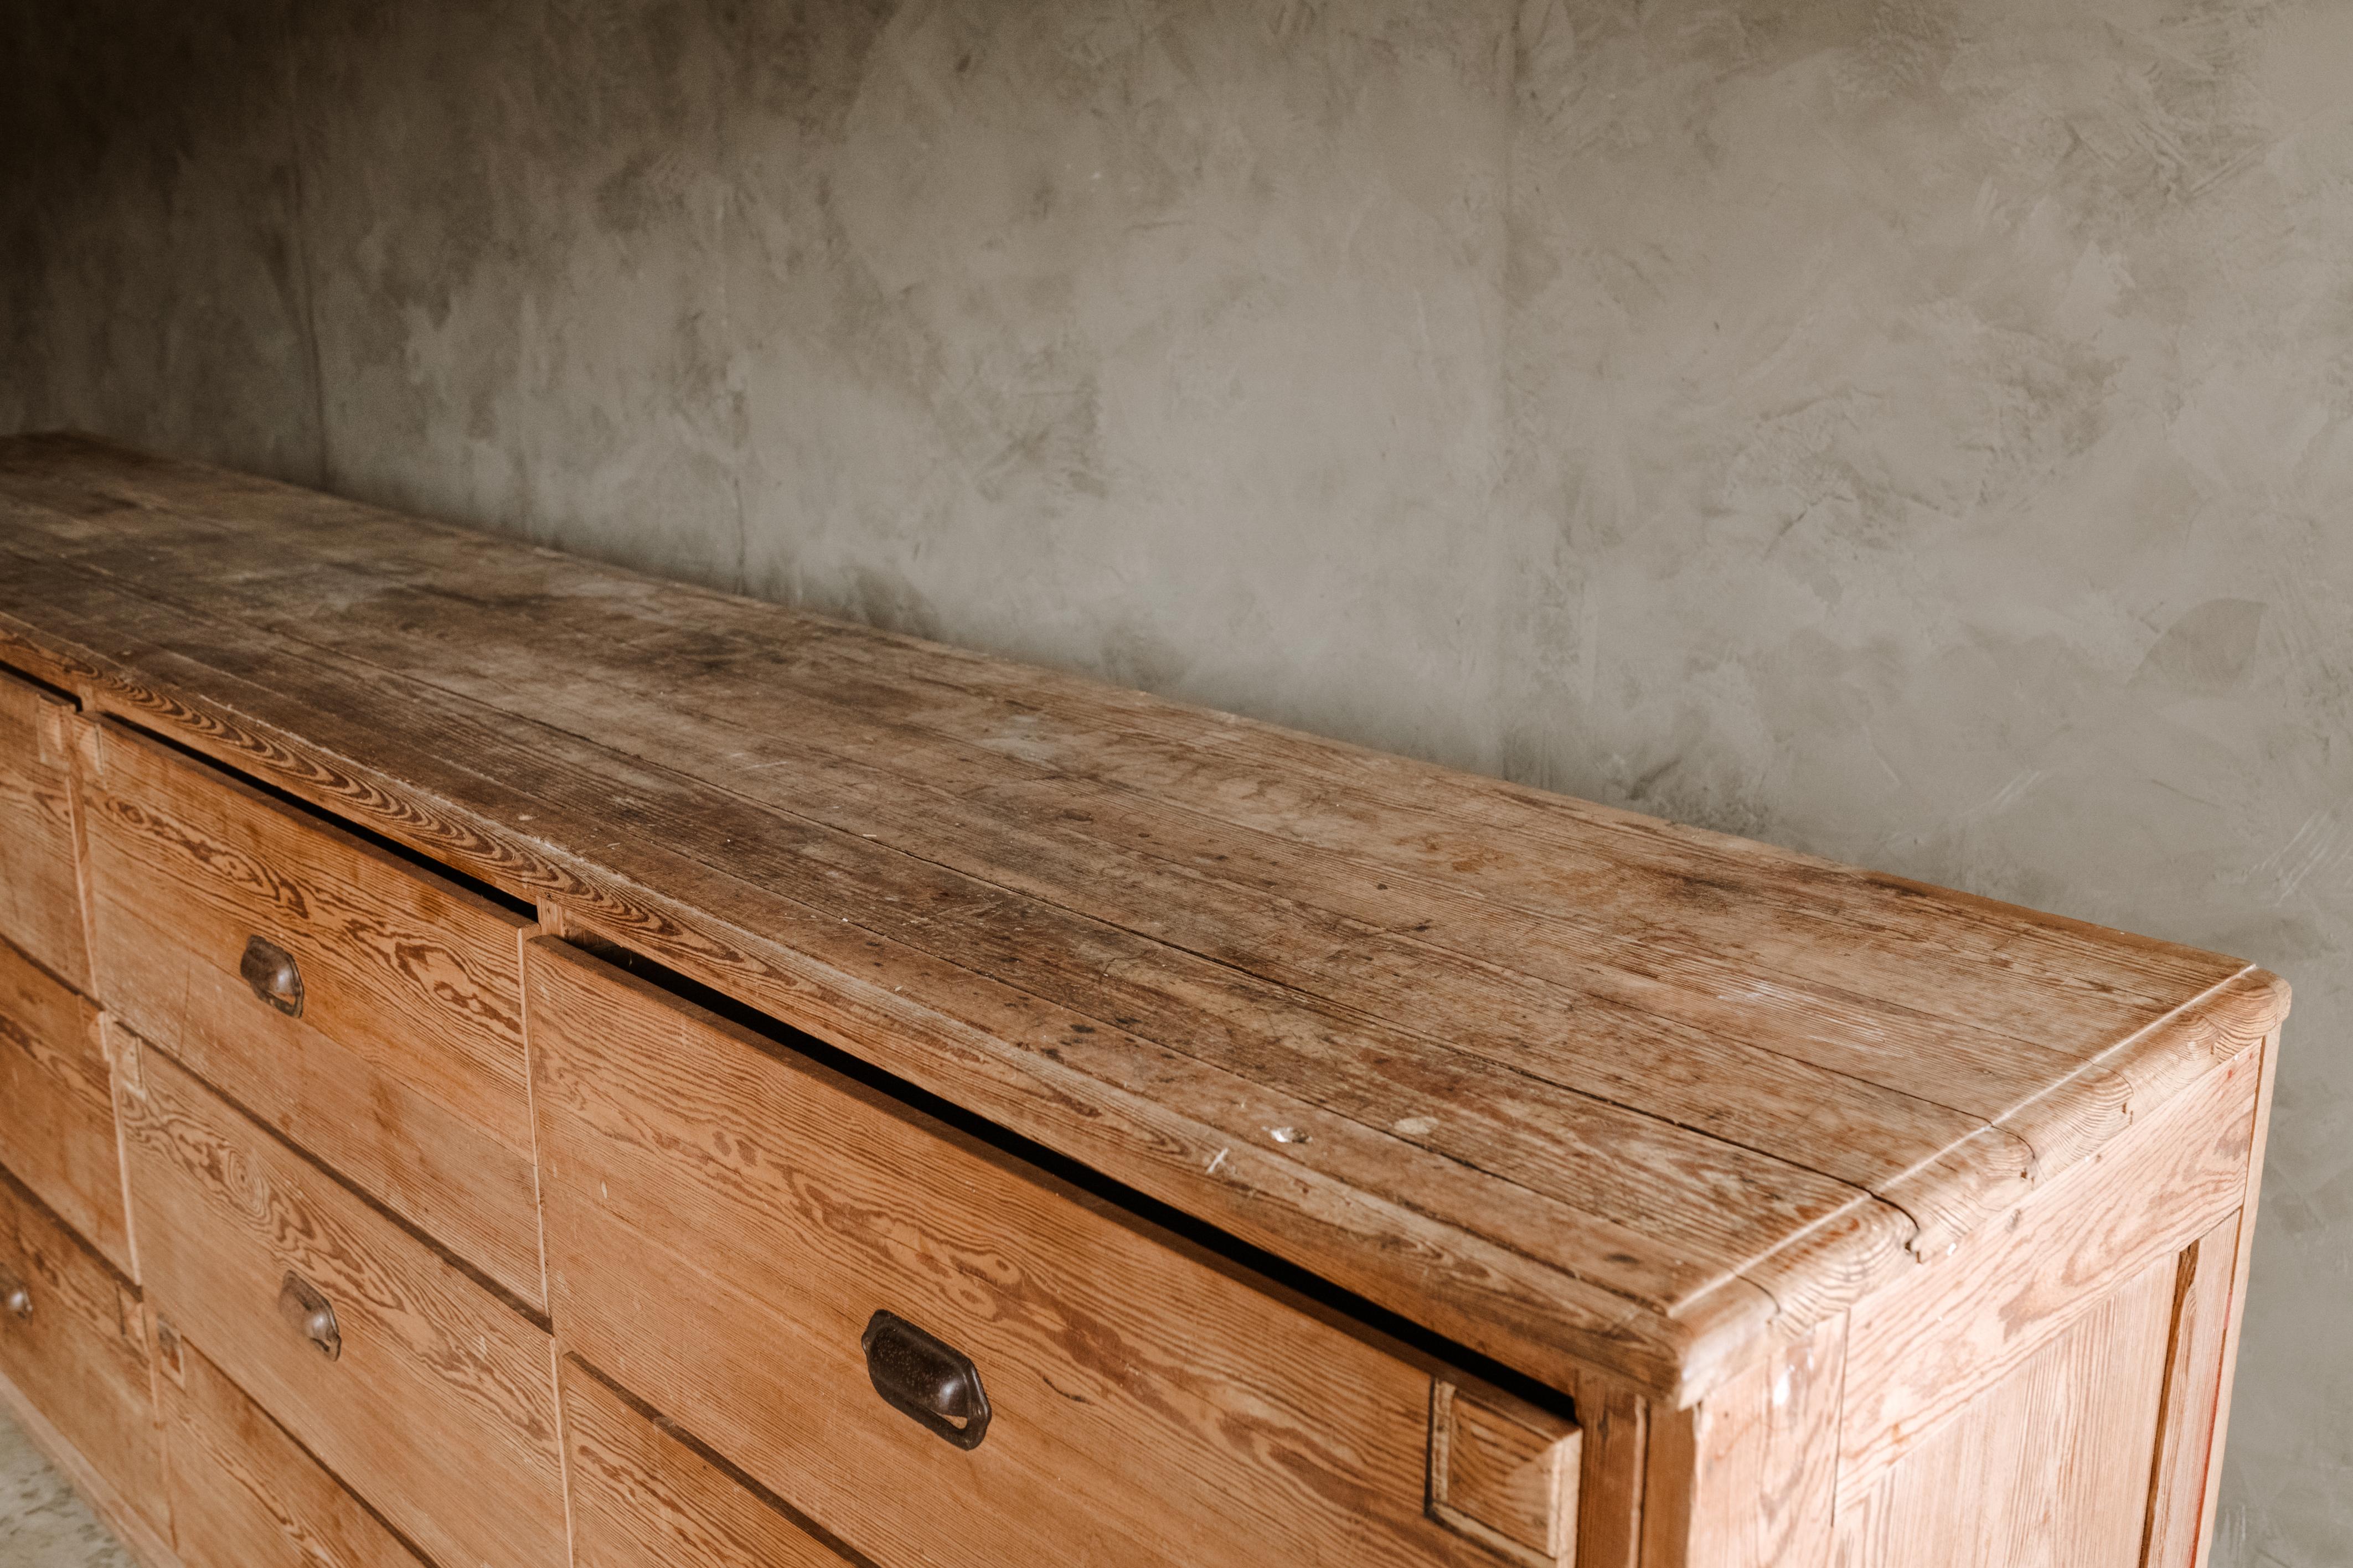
{"x": 511, "y": 1063}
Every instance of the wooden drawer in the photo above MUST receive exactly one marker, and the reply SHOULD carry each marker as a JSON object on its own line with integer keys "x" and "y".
{"x": 243, "y": 1494}
{"x": 726, "y": 1218}
{"x": 438, "y": 1402}
{"x": 40, "y": 885}
{"x": 57, "y": 1114}
{"x": 400, "y": 1061}
{"x": 74, "y": 1343}
{"x": 642, "y": 1499}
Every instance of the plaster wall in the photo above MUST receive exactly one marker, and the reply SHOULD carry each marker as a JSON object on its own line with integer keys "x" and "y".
{"x": 1911, "y": 431}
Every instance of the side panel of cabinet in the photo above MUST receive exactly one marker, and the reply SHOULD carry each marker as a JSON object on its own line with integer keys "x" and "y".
{"x": 2047, "y": 1469}
{"x": 2052, "y": 1397}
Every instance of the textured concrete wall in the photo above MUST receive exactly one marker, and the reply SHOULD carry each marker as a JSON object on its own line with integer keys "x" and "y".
{"x": 1915, "y": 432}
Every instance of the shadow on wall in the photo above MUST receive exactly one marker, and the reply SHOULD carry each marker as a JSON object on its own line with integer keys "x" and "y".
{"x": 1910, "y": 432}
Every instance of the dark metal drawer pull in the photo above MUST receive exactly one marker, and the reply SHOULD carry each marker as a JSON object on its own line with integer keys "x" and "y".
{"x": 269, "y": 969}
{"x": 926, "y": 1378}
{"x": 309, "y": 1314}
{"x": 15, "y": 1294}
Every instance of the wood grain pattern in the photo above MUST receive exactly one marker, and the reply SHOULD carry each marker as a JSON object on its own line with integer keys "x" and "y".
{"x": 246, "y": 1495}
{"x": 2047, "y": 1467}
{"x": 1748, "y": 1477}
{"x": 1922, "y": 1351}
{"x": 1584, "y": 1089}
{"x": 405, "y": 1071}
{"x": 56, "y": 1111}
{"x": 641, "y": 1498}
{"x": 80, "y": 1356}
{"x": 40, "y": 885}
{"x": 724, "y": 1215}
{"x": 440, "y": 1410}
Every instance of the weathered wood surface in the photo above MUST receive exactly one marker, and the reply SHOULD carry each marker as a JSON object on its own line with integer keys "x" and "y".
{"x": 244, "y": 1494}
{"x": 78, "y": 1353}
{"x": 404, "y": 1070}
{"x": 724, "y": 1218}
{"x": 440, "y": 1408}
{"x": 1577, "y": 1087}
{"x": 57, "y": 1113}
{"x": 40, "y": 895}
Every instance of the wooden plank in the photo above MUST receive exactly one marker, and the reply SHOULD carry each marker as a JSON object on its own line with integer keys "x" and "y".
{"x": 1748, "y": 1477}
{"x": 769, "y": 757}
{"x": 2187, "y": 1435}
{"x": 244, "y": 1494}
{"x": 1115, "y": 1101}
{"x": 1922, "y": 1350}
{"x": 1710, "y": 1204}
{"x": 1149, "y": 1404}
{"x": 1277, "y": 903}
{"x": 680, "y": 638}
{"x": 2047, "y": 1467}
{"x": 643, "y": 1498}
{"x": 75, "y": 1347}
{"x": 1610, "y": 1253}
{"x": 439, "y": 1406}
{"x": 56, "y": 1111}
{"x": 40, "y": 888}
{"x": 403, "y": 1069}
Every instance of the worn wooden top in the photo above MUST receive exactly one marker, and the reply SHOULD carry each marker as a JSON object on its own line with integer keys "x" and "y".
{"x": 1567, "y": 1084}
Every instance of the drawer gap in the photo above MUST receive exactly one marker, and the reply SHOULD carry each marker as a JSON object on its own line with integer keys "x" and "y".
{"x": 30, "y": 679}
{"x": 27, "y": 1197}
{"x": 358, "y": 1499}
{"x": 1318, "y": 1298}
{"x": 534, "y": 1316}
{"x": 489, "y": 892}
{"x": 850, "y": 1556}
{"x": 44, "y": 970}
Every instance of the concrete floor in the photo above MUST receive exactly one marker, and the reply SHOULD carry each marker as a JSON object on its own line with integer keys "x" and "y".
{"x": 42, "y": 1523}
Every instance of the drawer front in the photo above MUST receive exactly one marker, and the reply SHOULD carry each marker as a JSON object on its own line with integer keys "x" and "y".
{"x": 420, "y": 1389}
{"x": 243, "y": 1494}
{"x": 40, "y": 885}
{"x": 643, "y": 1498}
{"x": 370, "y": 1011}
{"x": 73, "y": 1339}
{"x": 726, "y": 1218}
{"x": 56, "y": 1113}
